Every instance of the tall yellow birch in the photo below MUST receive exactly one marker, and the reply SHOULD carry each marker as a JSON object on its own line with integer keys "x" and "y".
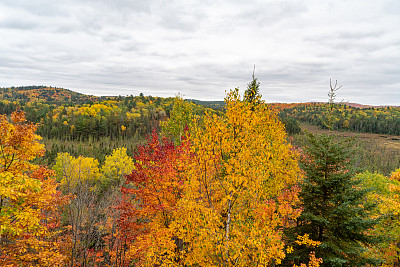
{"x": 239, "y": 192}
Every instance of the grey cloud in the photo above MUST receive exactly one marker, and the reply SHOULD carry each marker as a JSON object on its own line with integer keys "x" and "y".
{"x": 266, "y": 13}
{"x": 130, "y": 46}
{"x": 392, "y": 8}
{"x": 42, "y": 8}
{"x": 178, "y": 15}
{"x": 17, "y": 24}
{"x": 127, "y": 5}
{"x": 356, "y": 35}
{"x": 112, "y": 36}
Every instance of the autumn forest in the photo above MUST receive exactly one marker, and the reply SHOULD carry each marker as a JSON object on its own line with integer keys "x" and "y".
{"x": 152, "y": 181}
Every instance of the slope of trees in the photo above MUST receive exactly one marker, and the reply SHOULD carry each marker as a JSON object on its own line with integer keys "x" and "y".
{"x": 64, "y": 114}
{"x": 69, "y": 121}
{"x": 50, "y": 95}
{"x": 385, "y": 120}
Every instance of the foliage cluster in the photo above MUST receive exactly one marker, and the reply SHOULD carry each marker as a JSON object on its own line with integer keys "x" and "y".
{"x": 29, "y": 221}
{"x": 89, "y": 215}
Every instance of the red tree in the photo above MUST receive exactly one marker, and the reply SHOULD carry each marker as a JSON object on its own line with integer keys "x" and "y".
{"x": 149, "y": 202}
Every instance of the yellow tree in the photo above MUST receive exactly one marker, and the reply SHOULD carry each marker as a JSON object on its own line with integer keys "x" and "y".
{"x": 28, "y": 198}
{"x": 394, "y": 211}
{"x": 114, "y": 171}
{"x": 75, "y": 173}
{"x": 240, "y": 188}
{"x": 386, "y": 193}
{"x": 80, "y": 178}
{"x": 116, "y": 166}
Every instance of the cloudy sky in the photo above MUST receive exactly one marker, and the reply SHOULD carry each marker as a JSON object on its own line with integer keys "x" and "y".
{"x": 202, "y": 48}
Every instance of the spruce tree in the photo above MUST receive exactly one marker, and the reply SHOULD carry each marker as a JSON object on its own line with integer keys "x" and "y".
{"x": 335, "y": 210}
{"x": 252, "y": 93}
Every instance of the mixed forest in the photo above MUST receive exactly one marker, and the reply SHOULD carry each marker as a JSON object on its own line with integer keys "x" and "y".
{"x": 151, "y": 181}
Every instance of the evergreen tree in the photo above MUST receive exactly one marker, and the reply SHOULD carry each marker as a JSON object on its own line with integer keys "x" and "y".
{"x": 252, "y": 93}
{"x": 335, "y": 211}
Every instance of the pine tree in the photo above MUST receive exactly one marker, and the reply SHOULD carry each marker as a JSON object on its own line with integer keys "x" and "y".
{"x": 252, "y": 93}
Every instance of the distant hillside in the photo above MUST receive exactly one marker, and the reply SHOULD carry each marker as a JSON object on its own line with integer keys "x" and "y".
{"x": 53, "y": 95}
{"x": 67, "y": 115}
{"x": 344, "y": 116}
{"x": 356, "y": 105}
{"x": 216, "y": 105}
{"x": 46, "y": 94}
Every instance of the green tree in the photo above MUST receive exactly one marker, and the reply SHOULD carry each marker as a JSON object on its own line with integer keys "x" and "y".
{"x": 252, "y": 93}
{"x": 181, "y": 117}
{"x": 335, "y": 210}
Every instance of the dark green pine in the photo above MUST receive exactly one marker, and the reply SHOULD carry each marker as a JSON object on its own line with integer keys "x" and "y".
{"x": 252, "y": 93}
{"x": 335, "y": 211}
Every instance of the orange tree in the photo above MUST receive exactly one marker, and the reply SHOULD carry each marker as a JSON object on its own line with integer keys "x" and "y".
{"x": 149, "y": 203}
{"x": 28, "y": 198}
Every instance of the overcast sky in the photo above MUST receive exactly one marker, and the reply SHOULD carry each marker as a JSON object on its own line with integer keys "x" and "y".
{"x": 202, "y": 48}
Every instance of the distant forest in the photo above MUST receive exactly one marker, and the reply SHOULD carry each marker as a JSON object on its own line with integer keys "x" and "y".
{"x": 64, "y": 116}
{"x": 380, "y": 120}
{"x": 67, "y": 115}
{"x": 93, "y": 126}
